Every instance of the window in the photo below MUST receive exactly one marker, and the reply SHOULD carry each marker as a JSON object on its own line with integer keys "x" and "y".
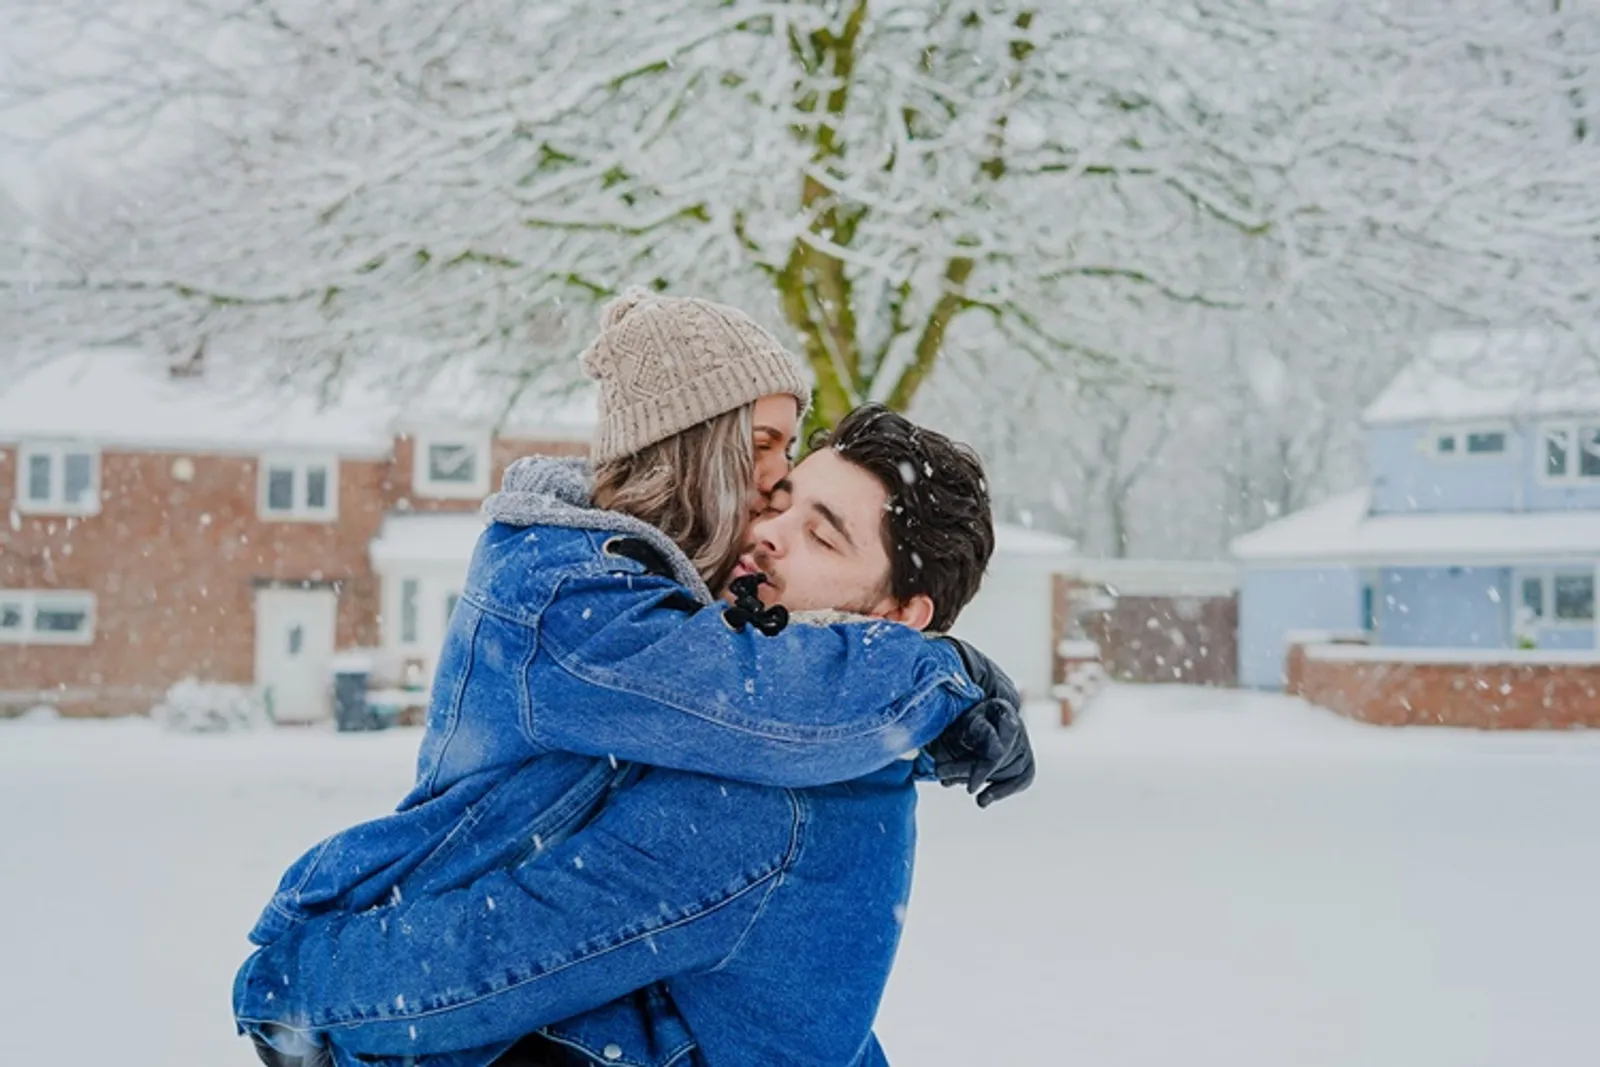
{"x": 410, "y": 590}
{"x": 1570, "y": 452}
{"x": 300, "y": 488}
{"x": 1558, "y": 598}
{"x": 1533, "y": 597}
{"x": 1487, "y": 443}
{"x": 46, "y": 617}
{"x": 1459, "y": 442}
{"x": 1371, "y": 582}
{"x": 1574, "y": 597}
{"x": 454, "y": 465}
{"x": 58, "y": 480}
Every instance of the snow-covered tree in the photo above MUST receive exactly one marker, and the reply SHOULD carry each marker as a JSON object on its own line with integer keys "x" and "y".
{"x": 870, "y": 173}
{"x": 1151, "y": 206}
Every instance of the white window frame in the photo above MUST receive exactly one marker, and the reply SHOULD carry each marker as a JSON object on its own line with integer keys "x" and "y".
{"x": 299, "y": 511}
{"x": 57, "y": 451}
{"x": 422, "y": 482}
{"x": 1547, "y": 577}
{"x": 1461, "y": 432}
{"x": 1573, "y": 429}
{"x": 31, "y": 600}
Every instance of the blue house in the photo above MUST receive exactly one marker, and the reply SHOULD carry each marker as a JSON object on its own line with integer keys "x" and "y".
{"x": 1479, "y": 527}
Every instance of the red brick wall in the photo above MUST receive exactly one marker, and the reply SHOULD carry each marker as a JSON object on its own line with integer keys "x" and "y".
{"x": 1185, "y": 640}
{"x": 174, "y": 567}
{"x": 1488, "y": 696}
{"x": 399, "y": 493}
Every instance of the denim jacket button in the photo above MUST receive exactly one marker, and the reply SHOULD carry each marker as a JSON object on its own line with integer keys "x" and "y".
{"x": 612, "y": 1052}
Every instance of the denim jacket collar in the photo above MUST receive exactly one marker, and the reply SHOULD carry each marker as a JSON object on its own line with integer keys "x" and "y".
{"x": 550, "y": 491}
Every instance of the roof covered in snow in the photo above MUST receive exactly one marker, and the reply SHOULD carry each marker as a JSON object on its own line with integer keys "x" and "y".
{"x": 1159, "y": 577}
{"x": 445, "y": 538}
{"x": 1342, "y": 530}
{"x": 1495, "y": 374}
{"x": 126, "y": 397}
{"x": 1023, "y": 541}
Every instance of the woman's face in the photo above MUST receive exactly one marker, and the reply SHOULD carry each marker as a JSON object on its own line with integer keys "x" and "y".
{"x": 776, "y": 424}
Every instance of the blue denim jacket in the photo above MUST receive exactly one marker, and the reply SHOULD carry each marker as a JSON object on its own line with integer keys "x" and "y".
{"x": 563, "y": 649}
{"x": 770, "y": 916}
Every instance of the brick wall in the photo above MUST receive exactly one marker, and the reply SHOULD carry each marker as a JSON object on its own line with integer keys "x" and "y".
{"x": 1190, "y": 640}
{"x": 1522, "y": 693}
{"x": 399, "y": 493}
{"x": 174, "y": 566}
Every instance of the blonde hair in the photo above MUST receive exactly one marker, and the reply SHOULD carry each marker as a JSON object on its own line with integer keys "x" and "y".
{"x": 695, "y": 487}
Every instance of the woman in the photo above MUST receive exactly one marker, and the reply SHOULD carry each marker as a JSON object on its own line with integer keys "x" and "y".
{"x": 561, "y": 652}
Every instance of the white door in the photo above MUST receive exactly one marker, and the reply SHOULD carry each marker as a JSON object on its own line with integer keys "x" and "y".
{"x": 294, "y": 652}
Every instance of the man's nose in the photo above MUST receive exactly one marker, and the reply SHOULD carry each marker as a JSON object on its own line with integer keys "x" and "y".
{"x": 766, "y": 535}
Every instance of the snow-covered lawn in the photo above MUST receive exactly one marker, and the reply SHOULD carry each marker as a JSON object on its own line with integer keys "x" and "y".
{"x": 1199, "y": 878}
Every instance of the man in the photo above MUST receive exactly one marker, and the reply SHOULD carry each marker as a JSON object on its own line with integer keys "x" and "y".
{"x": 720, "y": 923}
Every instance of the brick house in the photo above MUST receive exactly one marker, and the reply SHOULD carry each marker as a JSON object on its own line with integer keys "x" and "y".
{"x": 158, "y": 523}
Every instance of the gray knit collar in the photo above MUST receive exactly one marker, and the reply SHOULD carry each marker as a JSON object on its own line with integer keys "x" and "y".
{"x": 550, "y": 491}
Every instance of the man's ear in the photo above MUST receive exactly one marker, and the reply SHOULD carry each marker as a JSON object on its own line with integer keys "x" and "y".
{"x": 916, "y": 613}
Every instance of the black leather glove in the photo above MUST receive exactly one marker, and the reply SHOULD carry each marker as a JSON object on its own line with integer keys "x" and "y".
{"x": 987, "y": 745}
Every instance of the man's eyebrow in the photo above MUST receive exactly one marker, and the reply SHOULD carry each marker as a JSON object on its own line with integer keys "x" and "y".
{"x": 784, "y": 485}
{"x": 833, "y": 520}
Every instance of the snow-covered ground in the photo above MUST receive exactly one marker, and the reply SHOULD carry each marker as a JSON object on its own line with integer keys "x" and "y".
{"x": 1199, "y": 878}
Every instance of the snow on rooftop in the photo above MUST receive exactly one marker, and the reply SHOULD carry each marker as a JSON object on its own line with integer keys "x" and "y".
{"x": 441, "y": 538}
{"x": 1495, "y": 374}
{"x": 1160, "y": 577}
{"x": 1342, "y": 530}
{"x": 126, "y": 397}
{"x": 1023, "y": 541}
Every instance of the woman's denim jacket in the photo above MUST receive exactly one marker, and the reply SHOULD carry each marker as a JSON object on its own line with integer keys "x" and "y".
{"x": 568, "y": 658}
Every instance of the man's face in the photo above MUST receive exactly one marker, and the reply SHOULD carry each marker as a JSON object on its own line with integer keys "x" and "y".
{"x": 820, "y": 541}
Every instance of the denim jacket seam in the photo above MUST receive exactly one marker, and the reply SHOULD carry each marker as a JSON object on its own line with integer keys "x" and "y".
{"x": 321, "y": 1023}
{"x": 295, "y": 893}
{"x": 797, "y": 828}
{"x": 453, "y": 716}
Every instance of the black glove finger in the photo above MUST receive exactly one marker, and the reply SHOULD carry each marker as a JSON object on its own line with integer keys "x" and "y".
{"x": 1007, "y": 788}
{"x": 978, "y": 733}
{"x": 1006, "y": 729}
{"x": 954, "y": 772}
{"x": 990, "y": 740}
{"x": 1006, "y": 721}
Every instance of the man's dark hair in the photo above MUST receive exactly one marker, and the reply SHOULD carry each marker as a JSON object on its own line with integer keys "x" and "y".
{"x": 938, "y": 527}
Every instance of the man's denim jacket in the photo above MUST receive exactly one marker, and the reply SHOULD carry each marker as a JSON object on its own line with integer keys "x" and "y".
{"x": 566, "y": 656}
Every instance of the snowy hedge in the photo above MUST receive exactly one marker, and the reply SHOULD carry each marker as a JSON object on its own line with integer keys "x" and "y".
{"x": 210, "y": 707}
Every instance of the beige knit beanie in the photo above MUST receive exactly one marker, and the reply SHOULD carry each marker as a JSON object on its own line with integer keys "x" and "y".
{"x": 667, "y": 363}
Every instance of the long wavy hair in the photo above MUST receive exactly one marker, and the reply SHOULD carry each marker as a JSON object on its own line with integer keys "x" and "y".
{"x": 695, "y": 487}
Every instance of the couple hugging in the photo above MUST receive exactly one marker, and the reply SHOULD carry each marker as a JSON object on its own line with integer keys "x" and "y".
{"x": 664, "y": 804}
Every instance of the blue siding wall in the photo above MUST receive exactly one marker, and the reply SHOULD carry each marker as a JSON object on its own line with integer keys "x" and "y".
{"x": 1565, "y": 638}
{"x": 1445, "y": 607}
{"x": 1408, "y": 476}
{"x": 1274, "y": 602}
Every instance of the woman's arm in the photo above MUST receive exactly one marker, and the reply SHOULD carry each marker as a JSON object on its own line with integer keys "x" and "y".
{"x": 632, "y": 668}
